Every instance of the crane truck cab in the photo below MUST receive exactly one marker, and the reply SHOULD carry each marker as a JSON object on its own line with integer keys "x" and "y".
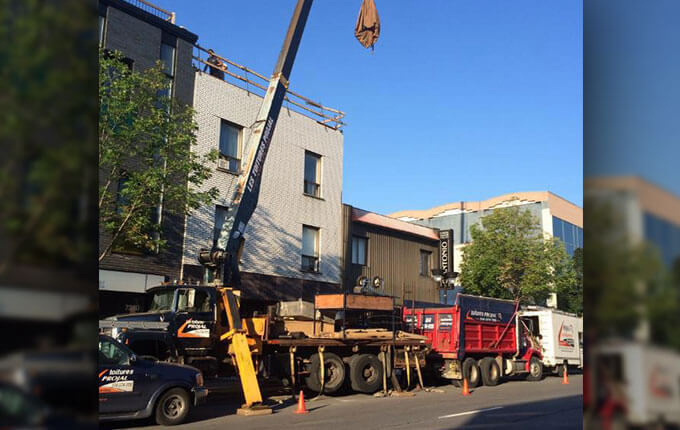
{"x": 192, "y": 320}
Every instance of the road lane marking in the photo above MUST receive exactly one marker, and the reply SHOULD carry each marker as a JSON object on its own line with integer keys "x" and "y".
{"x": 471, "y": 412}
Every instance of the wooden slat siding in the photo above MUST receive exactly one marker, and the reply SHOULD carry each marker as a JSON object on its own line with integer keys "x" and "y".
{"x": 392, "y": 255}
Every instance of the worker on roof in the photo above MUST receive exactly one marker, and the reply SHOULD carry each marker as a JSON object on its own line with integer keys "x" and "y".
{"x": 215, "y": 65}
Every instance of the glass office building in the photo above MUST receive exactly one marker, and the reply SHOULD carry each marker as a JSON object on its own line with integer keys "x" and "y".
{"x": 570, "y": 234}
{"x": 665, "y": 235}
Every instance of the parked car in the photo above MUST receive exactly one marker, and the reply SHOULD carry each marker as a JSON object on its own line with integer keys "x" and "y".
{"x": 131, "y": 387}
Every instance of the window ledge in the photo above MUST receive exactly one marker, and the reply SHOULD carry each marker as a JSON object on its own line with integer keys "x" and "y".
{"x": 313, "y": 272}
{"x": 231, "y": 172}
{"x": 314, "y": 197}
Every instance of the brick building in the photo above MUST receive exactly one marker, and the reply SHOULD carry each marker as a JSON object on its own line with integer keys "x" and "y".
{"x": 294, "y": 240}
{"x": 144, "y": 37}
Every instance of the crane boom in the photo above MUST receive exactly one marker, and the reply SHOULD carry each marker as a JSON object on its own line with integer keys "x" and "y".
{"x": 222, "y": 259}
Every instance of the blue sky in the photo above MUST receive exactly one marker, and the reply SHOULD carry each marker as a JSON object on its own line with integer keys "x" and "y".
{"x": 461, "y": 100}
{"x": 632, "y": 89}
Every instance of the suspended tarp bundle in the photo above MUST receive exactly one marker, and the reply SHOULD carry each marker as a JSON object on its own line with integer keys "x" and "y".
{"x": 367, "y": 29}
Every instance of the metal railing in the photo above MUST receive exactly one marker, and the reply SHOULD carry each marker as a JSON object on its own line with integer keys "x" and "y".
{"x": 153, "y": 9}
{"x": 251, "y": 81}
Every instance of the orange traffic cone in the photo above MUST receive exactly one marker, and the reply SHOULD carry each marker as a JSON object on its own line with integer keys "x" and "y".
{"x": 565, "y": 377}
{"x": 301, "y": 404}
{"x": 466, "y": 389}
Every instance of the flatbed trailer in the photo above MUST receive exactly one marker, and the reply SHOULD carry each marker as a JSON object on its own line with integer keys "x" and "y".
{"x": 480, "y": 339}
{"x": 360, "y": 359}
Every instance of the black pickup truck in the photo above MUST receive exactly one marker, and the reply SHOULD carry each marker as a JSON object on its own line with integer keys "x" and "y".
{"x": 131, "y": 387}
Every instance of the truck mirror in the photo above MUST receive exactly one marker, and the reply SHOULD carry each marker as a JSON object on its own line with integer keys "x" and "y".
{"x": 133, "y": 358}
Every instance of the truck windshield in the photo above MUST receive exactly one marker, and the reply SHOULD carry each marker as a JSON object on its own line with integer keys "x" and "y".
{"x": 192, "y": 300}
{"x": 162, "y": 301}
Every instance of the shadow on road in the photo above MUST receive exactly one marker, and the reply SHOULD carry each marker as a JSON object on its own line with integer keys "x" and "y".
{"x": 558, "y": 413}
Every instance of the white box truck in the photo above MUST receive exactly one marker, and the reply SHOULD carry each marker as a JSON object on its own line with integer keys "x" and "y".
{"x": 560, "y": 334}
{"x": 636, "y": 383}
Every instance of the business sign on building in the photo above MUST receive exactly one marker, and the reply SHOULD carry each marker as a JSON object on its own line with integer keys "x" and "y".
{"x": 446, "y": 250}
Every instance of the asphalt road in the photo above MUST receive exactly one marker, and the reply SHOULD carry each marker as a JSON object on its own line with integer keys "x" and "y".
{"x": 512, "y": 405}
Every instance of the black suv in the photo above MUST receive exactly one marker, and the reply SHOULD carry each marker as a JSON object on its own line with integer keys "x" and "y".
{"x": 131, "y": 387}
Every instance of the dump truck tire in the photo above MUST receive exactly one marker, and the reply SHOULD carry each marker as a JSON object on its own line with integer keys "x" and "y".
{"x": 535, "y": 369}
{"x": 365, "y": 373}
{"x": 491, "y": 373}
{"x": 334, "y": 373}
{"x": 471, "y": 372}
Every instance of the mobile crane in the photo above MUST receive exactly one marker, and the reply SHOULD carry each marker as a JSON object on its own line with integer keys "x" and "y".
{"x": 223, "y": 259}
{"x": 217, "y": 332}
{"x": 221, "y": 262}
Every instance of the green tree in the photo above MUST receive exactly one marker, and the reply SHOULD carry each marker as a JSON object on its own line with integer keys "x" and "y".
{"x": 47, "y": 134}
{"x": 510, "y": 258}
{"x": 570, "y": 297}
{"x": 145, "y": 156}
{"x": 617, "y": 273}
{"x": 663, "y": 306}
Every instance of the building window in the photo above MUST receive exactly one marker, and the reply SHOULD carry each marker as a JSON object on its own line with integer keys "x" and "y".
{"x": 230, "y": 143}
{"x": 664, "y": 235}
{"x": 310, "y": 249}
{"x": 121, "y": 199}
{"x": 571, "y": 235}
{"x": 168, "y": 59}
{"x": 312, "y": 174}
{"x": 123, "y": 245}
{"x": 359, "y": 250}
{"x": 168, "y": 62}
{"x": 220, "y": 215}
{"x": 425, "y": 263}
{"x": 102, "y": 24}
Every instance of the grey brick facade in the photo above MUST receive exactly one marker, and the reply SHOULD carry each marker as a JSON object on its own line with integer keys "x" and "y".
{"x": 274, "y": 235}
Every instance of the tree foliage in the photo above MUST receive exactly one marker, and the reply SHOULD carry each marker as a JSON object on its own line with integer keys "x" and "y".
{"x": 570, "y": 297}
{"x": 616, "y": 272}
{"x": 47, "y": 133}
{"x": 145, "y": 156}
{"x": 510, "y": 258}
{"x": 627, "y": 285}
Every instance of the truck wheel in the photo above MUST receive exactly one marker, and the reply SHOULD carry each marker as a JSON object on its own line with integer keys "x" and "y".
{"x": 491, "y": 373}
{"x": 173, "y": 407}
{"x": 365, "y": 373}
{"x": 334, "y": 373}
{"x": 535, "y": 369}
{"x": 471, "y": 372}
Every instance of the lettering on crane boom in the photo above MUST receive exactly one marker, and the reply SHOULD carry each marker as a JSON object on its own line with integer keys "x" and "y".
{"x": 261, "y": 151}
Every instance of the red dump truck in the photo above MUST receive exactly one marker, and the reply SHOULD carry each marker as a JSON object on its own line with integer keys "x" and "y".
{"x": 478, "y": 338}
